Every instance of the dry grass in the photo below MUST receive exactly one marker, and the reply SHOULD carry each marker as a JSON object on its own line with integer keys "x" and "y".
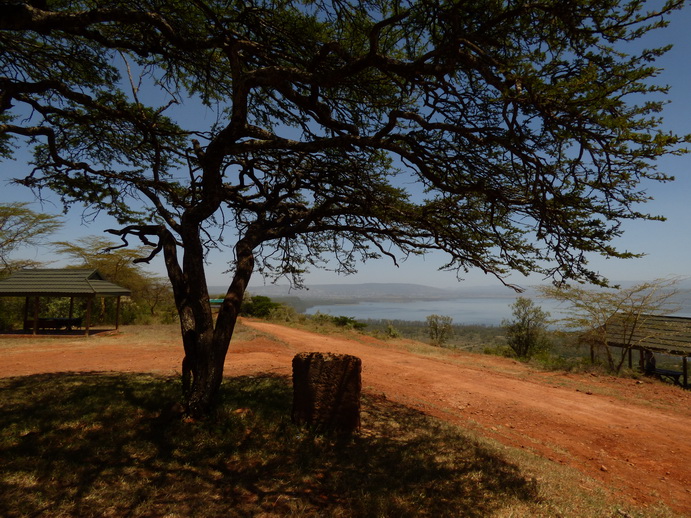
{"x": 99, "y": 445}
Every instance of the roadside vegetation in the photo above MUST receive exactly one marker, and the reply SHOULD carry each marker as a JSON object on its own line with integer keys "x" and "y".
{"x": 99, "y": 444}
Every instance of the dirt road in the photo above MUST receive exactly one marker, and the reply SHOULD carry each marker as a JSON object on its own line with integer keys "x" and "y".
{"x": 631, "y": 435}
{"x": 641, "y": 449}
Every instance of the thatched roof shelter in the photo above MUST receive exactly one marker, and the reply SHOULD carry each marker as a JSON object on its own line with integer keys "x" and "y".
{"x": 62, "y": 282}
{"x": 657, "y": 333}
{"x": 653, "y": 334}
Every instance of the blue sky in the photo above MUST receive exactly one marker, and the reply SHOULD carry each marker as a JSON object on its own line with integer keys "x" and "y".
{"x": 667, "y": 245}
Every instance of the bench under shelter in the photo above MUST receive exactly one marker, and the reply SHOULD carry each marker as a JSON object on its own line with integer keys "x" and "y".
{"x": 75, "y": 283}
{"x": 668, "y": 335}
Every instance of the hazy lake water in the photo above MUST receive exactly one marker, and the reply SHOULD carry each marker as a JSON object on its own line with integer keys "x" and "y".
{"x": 486, "y": 311}
{"x": 476, "y": 310}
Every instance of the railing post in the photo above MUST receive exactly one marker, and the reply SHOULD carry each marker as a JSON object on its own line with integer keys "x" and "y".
{"x": 35, "y": 331}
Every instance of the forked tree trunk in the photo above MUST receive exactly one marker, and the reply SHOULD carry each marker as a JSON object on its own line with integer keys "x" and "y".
{"x": 205, "y": 342}
{"x": 202, "y": 372}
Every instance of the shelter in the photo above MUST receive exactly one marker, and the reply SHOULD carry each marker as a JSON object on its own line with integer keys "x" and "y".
{"x": 65, "y": 282}
{"x": 656, "y": 334}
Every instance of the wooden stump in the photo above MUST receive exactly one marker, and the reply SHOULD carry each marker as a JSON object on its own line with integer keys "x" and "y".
{"x": 326, "y": 391}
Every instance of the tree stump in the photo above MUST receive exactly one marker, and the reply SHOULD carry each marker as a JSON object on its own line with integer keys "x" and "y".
{"x": 326, "y": 391}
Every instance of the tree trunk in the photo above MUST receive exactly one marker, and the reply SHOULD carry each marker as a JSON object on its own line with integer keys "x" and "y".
{"x": 205, "y": 345}
{"x": 622, "y": 359}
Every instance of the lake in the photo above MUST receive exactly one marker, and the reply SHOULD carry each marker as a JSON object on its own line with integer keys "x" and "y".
{"x": 488, "y": 311}
{"x": 485, "y": 311}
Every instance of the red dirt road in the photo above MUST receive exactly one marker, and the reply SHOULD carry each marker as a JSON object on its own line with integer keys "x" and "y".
{"x": 631, "y": 435}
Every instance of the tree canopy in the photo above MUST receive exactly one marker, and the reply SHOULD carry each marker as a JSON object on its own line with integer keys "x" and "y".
{"x": 526, "y": 332}
{"x": 21, "y": 226}
{"x": 511, "y": 135}
{"x": 117, "y": 266}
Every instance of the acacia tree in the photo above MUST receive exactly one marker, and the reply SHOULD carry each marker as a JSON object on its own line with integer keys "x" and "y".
{"x": 21, "y": 226}
{"x": 505, "y": 134}
{"x": 440, "y": 328}
{"x": 616, "y": 318}
{"x": 116, "y": 265}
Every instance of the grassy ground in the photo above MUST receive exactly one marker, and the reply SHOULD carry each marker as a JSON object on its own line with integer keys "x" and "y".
{"x": 99, "y": 445}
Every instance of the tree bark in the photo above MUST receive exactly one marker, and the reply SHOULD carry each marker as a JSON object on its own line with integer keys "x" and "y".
{"x": 205, "y": 344}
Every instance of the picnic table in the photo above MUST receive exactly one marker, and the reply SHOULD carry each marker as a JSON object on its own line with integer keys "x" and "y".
{"x": 54, "y": 323}
{"x": 672, "y": 375}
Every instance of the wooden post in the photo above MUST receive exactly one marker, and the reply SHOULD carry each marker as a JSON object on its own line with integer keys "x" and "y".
{"x": 685, "y": 363}
{"x": 117, "y": 314}
{"x": 69, "y": 321}
{"x": 89, "y": 304}
{"x": 641, "y": 360}
{"x": 36, "y": 315}
{"x": 26, "y": 313}
{"x": 630, "y": 353}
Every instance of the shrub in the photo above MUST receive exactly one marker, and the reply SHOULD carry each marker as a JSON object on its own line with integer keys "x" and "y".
{"x": 526, "y": 334}
{"x": 258, "y": 306}
{"x": 284, "y": 313}
{"x": 440, "y": 328}
{"x": 11, "y": 313}
{"x": 391, "y": 331}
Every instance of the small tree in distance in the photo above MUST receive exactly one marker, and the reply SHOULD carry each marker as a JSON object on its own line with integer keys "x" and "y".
{"x": 615, "y": 316}
{"x": 527, "y": 332}
{"x": 440, "y": 328}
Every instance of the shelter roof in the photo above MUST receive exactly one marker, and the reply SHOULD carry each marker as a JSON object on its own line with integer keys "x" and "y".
{"x": 59, "y": 282}
{"x": 665, "y": 334}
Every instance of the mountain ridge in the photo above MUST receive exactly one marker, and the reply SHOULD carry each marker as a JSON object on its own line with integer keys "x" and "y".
{"x": 396, "y": 291}
{"x": 373, "y": 291}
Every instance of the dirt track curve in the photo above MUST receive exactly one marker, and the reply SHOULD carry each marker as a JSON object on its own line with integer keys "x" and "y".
{"x": 631, "y": 435}
{"x": 642, "y": 450}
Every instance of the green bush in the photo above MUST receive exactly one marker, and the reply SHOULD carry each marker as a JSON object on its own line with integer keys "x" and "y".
{"x": 11, "y": 313}
{"x": 527, "y": 332}
{"x": 258, "y": 306}
{"x": 343, "y": 321}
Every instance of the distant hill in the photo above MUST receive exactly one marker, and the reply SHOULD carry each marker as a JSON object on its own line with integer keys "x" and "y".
{"x": 329, "y": 294}
{"x": 357, "y": 292}
{"x": 376, "y": 292}
{"x": 326, "y": 294}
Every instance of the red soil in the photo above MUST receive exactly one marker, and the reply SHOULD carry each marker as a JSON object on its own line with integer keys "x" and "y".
{"x": 631, "y": 435}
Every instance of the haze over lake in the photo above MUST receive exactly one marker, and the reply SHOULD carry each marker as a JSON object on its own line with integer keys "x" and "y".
{"x": 485, "y": 311}
{"x": 487, "y": 305}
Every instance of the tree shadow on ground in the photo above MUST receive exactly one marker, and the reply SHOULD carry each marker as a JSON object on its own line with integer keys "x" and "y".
{"x": 96, "y": 444}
